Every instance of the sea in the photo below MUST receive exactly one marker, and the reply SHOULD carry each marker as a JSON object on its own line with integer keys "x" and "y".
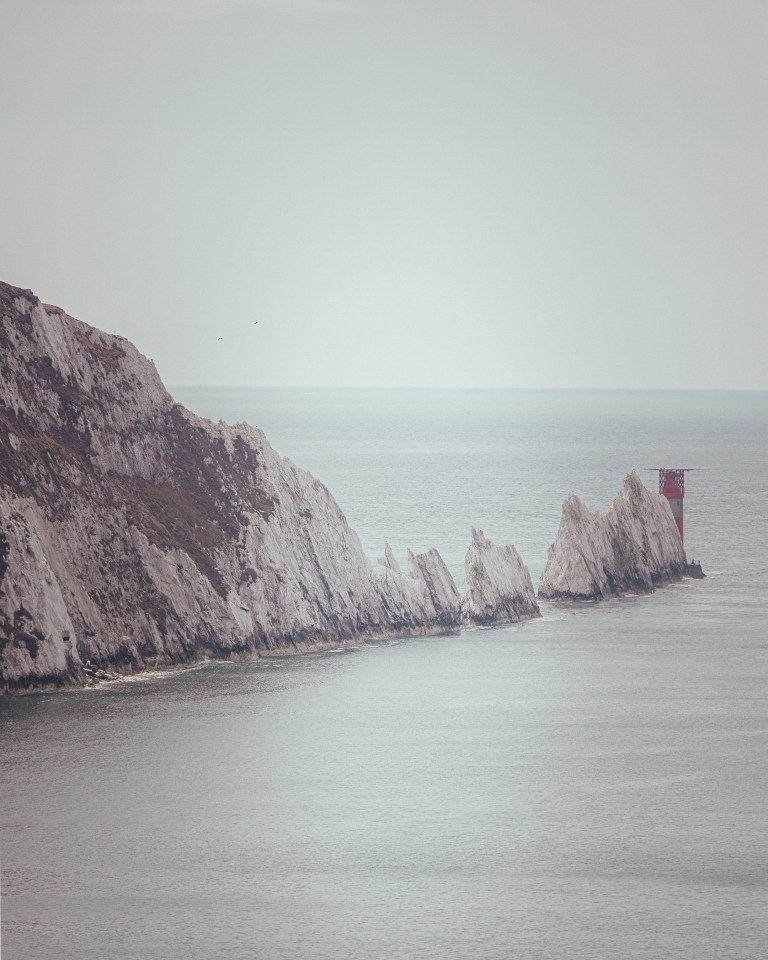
{"x": 592, "y": 785}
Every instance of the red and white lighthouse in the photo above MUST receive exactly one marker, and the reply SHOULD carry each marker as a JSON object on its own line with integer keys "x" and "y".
{"x": 672, "y": 486}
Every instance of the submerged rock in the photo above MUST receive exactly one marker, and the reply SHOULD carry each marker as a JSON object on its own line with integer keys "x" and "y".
{"x": 135, "y": 534}
{"x": 633, "y": 545}
{"x": 497, "y": 585}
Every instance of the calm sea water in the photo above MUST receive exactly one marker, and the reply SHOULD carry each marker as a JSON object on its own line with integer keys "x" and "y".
{"x": 591, "y": 785}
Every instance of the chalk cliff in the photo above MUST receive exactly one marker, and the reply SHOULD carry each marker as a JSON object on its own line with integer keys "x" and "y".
{"x": 135, "y": 534}
{"x": 633, "y": 545}
{"x": 497, "y": 585}
{"x": 425, "y": 594}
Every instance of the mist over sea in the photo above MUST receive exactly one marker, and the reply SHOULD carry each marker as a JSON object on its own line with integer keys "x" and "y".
{"x": 589, "y": 786}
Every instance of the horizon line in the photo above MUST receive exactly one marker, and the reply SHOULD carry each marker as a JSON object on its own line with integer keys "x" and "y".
{"x": 311, "y": 386}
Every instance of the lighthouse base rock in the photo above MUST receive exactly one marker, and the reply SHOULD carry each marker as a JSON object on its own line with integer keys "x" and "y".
{"x": 632, "y": 546}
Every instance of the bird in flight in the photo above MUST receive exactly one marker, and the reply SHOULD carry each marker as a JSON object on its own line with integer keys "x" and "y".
{"x": 220, "y": 338}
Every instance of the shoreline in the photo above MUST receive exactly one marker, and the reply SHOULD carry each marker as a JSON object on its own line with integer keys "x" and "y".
{"x": 293, "y": 650}
{"x": 304, "y": 648}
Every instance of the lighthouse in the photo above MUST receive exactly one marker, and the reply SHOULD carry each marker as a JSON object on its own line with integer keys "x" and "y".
{"x": 672, "y": 486}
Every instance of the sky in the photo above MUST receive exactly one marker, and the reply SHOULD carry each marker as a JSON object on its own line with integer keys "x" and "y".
{"x": 543, "y": 193}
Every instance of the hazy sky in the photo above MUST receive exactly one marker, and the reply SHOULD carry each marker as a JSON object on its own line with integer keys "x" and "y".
{"x": 400, "y": 192}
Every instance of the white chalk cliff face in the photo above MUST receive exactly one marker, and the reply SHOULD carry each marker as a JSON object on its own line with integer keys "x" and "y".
{"x": 425, "y": 594}
{"x": 134, "y": 534}
{"x": 498, "y": 586}
{"x": 633, "y": 545}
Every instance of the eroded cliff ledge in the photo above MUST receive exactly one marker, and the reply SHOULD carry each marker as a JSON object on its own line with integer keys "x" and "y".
{"x": 134, "y": 534}
{"x": 633, "y": 545}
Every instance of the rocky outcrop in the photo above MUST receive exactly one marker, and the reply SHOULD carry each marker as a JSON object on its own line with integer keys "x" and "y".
{"x": 134, "y": 534}
{"x": 497, "y": 585}
{"x": 426, "y": 593}
{"x": 633, "y": 545}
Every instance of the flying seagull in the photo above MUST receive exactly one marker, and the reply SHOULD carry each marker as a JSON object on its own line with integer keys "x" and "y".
{"x": 220, "y": 338}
